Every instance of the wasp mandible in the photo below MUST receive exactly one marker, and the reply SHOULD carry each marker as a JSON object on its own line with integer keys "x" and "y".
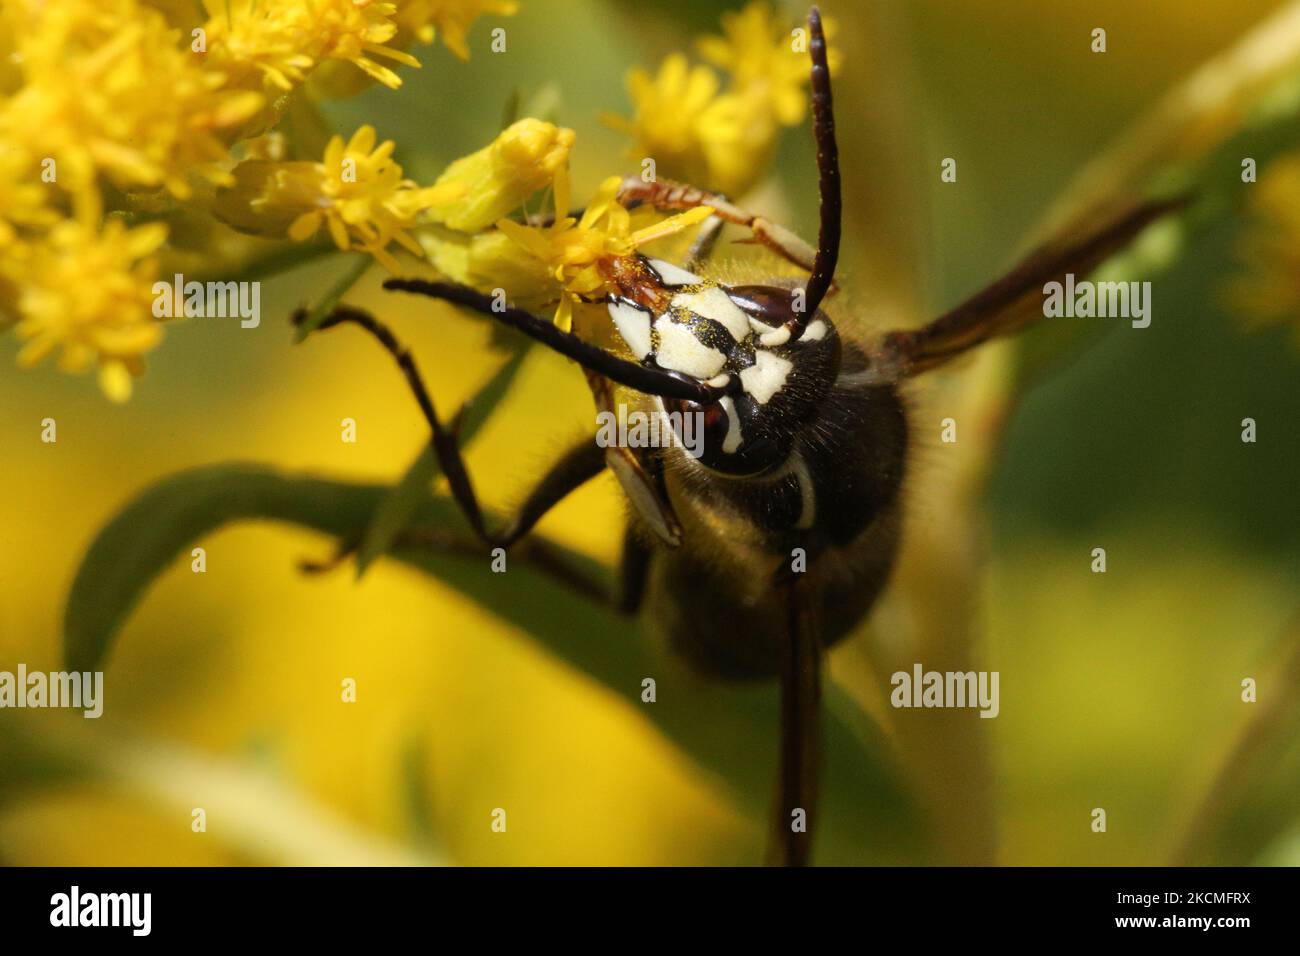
{"x": 774, "y": 541}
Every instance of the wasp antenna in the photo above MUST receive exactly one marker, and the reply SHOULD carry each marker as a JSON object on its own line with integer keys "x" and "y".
{"x": 650, "y": 381}
{"x": 828, "y": 176}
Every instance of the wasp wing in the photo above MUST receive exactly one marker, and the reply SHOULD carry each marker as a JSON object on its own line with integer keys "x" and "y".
{"x": 1016, "y": 299}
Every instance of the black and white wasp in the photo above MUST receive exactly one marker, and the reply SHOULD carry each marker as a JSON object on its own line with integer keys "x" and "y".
{"x": 775, "y": 541}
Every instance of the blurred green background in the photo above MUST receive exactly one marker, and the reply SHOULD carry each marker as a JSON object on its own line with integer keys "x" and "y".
{"x": 1118, "y": 690}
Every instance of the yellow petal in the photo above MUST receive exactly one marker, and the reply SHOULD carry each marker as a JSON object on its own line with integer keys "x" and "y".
{"x": 338, "y": 231}
{"x": 530, "y": 239}
{"x": 670, "y": 226}
{"x": 115, "y": 381}
{"x": 564, "y": 314}
{"x": 497, "y": 179}
{"x": 305, "y": 226}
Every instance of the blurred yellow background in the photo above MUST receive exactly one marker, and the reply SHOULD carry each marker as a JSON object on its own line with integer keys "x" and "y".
{"x": 1118, "y": 689}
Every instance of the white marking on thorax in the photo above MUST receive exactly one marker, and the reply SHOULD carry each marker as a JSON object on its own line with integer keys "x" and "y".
{"x": 713, "y": 303}
{"x": 671, "y": 275}
{"x": 766, "y": 376}
{"x": 680, "y": 351}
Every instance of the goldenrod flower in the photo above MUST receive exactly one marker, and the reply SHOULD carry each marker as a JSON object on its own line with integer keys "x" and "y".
{"x": 764, "y": 59}
{"x": 494, "y": 181}
{"x": 357, "y": 192}
{"x": 574, "y": 250}
{"x": 671, "y": 118}
{"x": 491, "y": 260}
{"x": 107, "y": 89}
{"x": 279, "y": 41}
{"x": 24, "y": 199}
{"x": 450, "y": 19}
{"x": 89, "y": 293}
{"x": 721, "y": 138}
{"x": 138, "y": 96}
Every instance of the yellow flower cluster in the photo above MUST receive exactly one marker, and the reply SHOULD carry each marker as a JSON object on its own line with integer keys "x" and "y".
{"x": 720, "y": 138}
{"x": 452, "y": 18}
{"x": 358, "y": 193}
{"x": 259, "y": 41}
{"x": 117, "y": 110}
{"x": 123, "y": 119}
{"x": 571, "y": 251}
{"x": 684, "y": 120}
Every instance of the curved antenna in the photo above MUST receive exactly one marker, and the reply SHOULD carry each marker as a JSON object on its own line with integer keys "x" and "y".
{"x": 828, "y": 172}
{"x": 649, "y": 381}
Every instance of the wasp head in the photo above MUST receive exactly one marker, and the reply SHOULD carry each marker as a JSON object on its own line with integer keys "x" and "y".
{"x": 736, "y": 340}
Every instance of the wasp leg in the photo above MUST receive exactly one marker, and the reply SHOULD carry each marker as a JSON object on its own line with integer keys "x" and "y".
{"x": 705, "y": 242}
{"x": 543, "y": 556}
{"x": 576, "y": 467}
{"x": 634, "y": 571}
{"x": 634, "y": 568}
{"x": 666, "y": 194}
{"x": 794, "y": 814}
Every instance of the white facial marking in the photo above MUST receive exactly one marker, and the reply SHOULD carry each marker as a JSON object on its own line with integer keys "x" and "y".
{"x": 719, "y": 381}
{"x": 774, "y": 337}
{"x": 671, "y": 275}
{"x": 734, "y": 437}
{"x": 713, "y": 303}
{"x": 681, "y": 351}
{"x": 766, "y": 376}
{"x": 633, "y": 325}
{"x": 815, "y": 332}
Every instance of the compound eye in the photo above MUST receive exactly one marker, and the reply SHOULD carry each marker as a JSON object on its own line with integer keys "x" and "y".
{"x": 703, "y": 430}
{"x": 770, "y": 305}
{"x": 715, "y": 427}
{"x": 715, "y": 435}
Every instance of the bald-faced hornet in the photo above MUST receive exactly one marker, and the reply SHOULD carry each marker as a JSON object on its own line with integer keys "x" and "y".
{"x": 774, "y": 541}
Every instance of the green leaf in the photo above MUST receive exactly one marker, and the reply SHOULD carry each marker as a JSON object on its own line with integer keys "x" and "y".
{"x": 399, "y": 506}
{"x": 166, "y": 519}
{"x": 395, "y": 510}
{"x": 510, "y": 111}
{"x": 479, "y": 409}
{"x": 317, "y": 313}
{"x": 1250, "y": 799}
{"x": 729, "y": 730}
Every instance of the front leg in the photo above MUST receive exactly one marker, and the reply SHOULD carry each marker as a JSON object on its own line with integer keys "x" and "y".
{"x": 574, "y": 468}
{"x": 666, "y": 195}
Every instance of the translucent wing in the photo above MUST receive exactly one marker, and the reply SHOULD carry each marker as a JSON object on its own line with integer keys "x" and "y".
{"x": 1012, "y": 302}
